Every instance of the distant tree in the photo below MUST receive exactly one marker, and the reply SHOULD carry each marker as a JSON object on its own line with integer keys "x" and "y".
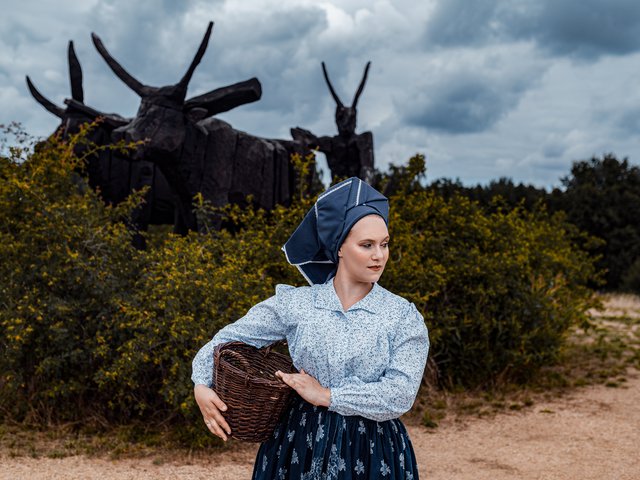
{"x": 448, "y": 188}
{"x": 511, "y": 195}
{"x": 405, "y": 178}
{"x": 526, "y": 195}
{"x": 602, "y": 197}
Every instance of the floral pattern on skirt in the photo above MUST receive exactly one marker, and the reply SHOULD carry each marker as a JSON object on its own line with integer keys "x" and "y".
{"x": 312, "y": 443}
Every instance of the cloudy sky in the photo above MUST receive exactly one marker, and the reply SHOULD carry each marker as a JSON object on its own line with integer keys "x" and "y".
{"x": 484, "y": 88}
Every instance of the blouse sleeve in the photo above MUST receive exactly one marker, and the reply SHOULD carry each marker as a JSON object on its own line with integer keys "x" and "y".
{"x": 263, "y": 324}
{"x": 394, "y": 393}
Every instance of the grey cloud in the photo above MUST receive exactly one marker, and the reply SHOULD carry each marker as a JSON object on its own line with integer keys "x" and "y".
{"x": 273, "y": 46}
{"x": 460, "y": 22}
{"x": 479, "y": 70}
{"x": 582, "y": 29}
{"x": 463, "y": 106}
{"x": 620, "y": 120}
{"x": 132, "y": 36}
{"x": 553, "y": 150}
{"x": 555, "y": 145}
{"x": 144, "y": 39}
{"x": 299, "y": 38}
{"x": 628, "y": 121}
{"x": 465, "y": 102}
{"x": 19, "y": 33}
{"x": 155, "y": 44}
{"x": 267, "y": 41}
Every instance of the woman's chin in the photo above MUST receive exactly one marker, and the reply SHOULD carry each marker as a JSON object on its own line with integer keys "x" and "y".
{"x": 375, "y": 275}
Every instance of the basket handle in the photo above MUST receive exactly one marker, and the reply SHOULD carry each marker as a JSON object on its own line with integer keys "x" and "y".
{"x": 237, "y": 357}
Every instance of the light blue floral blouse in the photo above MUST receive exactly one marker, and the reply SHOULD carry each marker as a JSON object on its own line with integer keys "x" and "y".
{"x": 372, "y": 356}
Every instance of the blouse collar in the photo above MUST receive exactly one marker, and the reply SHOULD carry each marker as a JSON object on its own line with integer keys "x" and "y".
{"x": 327, "y": 298}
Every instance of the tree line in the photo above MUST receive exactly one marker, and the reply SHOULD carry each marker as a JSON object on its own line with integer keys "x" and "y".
{"x": 600, "y": 196}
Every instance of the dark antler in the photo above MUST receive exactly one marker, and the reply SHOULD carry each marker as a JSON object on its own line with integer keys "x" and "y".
{"x": 333, "y": 92}
{"x": 112, "y": 119}
{"x": 120, "y": 72}
{"x": 184, "y": 82}
{"x": 361, "y": 87}
{"x": 75, "y": 74}
{"x": 226, "y": 98}
{"x": 42, "y": 100}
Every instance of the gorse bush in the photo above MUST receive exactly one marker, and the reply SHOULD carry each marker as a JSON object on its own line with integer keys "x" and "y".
{"x": 600, "y": 196}
{"x": 499, "y": 289}
{"x": 91, "y": 327}
{"x": 190, "y": 288}
{"x": 65, "y": 265}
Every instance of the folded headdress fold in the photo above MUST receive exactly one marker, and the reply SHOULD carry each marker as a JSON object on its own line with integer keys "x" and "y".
{"x": 314, "y": 245}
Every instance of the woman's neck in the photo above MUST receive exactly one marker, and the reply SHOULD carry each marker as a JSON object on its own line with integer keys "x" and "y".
{"x": 349, "y": 291}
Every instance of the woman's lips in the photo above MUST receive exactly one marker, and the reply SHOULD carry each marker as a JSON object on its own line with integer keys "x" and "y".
{"x": 375, "y": 268}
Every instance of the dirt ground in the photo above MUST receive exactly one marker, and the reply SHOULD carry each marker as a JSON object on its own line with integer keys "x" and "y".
{"x": 592, "y": 433}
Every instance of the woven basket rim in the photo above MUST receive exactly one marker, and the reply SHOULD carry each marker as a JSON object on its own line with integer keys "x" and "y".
{"x": 242, "y": 374}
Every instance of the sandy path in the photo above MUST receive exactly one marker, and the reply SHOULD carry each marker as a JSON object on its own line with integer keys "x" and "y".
{"x": 594, "y": 433}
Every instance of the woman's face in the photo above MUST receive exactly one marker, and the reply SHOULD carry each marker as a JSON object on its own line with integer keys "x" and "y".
{"x": 365, "y": 251}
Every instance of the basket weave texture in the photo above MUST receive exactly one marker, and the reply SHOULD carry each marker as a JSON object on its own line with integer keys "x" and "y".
{"x": 244, "y": 378}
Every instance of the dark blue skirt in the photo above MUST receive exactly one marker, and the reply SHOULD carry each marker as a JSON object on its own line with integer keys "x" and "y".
{"x": 312, "y": 443}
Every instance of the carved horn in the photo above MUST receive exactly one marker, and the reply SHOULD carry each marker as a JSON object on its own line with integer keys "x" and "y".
{"x": 227, "y": 98}
{"x": 109, "y": 118}
{"x": 333, "y": 92}
{"x": 184, "y": 82}
{"x": 42, "y": 100}
{"x": 75, "y": 74}
{"x": 120, "y": 72}
{"x": 361, "y": 87}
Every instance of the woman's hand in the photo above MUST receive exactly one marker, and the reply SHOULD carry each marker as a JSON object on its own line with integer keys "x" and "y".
{"x": 210, "y": 406}
{"x": 307, "y": 387}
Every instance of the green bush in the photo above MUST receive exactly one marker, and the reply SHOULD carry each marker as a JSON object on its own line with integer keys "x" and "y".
{"x": 499, "y": 289}
{"x": 92, "y": 327}
{"x": 65, "y": 266}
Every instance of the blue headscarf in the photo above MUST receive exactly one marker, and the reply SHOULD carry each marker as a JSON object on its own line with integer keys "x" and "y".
{"x": 313, "y": 247}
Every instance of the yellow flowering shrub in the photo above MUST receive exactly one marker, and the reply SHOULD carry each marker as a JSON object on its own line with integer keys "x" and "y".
{"x": 499, "y": 289}
{"x": 65, "y": 266}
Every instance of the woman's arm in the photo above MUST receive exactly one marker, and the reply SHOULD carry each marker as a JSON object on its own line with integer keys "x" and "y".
{"x": 394, "y": 393}
{"x": 263, "y": 324}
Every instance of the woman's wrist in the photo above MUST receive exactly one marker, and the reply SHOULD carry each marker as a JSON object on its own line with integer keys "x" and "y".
{"x": 326, "y": 397}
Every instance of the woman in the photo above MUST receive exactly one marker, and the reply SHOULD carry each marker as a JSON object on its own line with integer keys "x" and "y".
{"x": 360, "y": 350}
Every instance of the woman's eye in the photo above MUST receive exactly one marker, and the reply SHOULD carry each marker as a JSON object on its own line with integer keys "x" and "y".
{"x": 366, "y": 245}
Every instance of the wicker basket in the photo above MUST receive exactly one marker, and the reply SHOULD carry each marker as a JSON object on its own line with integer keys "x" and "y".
{"x": 245, "y": 380}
